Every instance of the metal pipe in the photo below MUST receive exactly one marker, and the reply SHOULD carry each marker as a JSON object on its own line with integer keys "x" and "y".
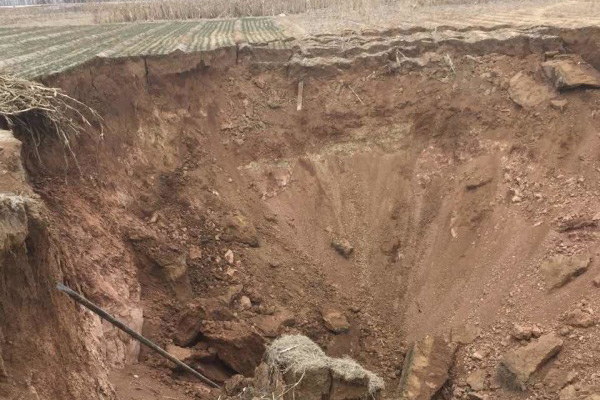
{"x": 104, "y": 315}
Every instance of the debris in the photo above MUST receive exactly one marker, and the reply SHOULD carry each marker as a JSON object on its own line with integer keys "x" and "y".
{"x": 518, "y": 365}
{"x": 31, "y": 106}
{"x": 526, "y": 92}
{"x": 559, "y": 104}
{"x": 571, "y": 71}
{"x": 335, "y": 320}
{"x": 229, "y": 256}
{"x": 448, "y": 60}
{"x": 357, "y": 96}
{"x": 342, "y": 246}
{"x": 300, "y": 95}
{"x": 425, "y": 368}
{"x": 560, "y": 270}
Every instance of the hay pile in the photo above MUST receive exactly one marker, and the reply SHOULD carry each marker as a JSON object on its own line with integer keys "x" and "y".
{"x": 32, "y": 108}
{"x": 298, "y": 354}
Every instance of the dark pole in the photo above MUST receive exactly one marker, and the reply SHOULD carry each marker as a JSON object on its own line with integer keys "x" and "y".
{"x": 104, "y": 315}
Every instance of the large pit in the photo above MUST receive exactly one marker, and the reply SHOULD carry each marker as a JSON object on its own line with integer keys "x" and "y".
{"x": 212, "y": 199}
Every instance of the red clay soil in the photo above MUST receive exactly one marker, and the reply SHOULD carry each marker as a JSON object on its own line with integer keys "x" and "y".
{"x": 450, "y": 194}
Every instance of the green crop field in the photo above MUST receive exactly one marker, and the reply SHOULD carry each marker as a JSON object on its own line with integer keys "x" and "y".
{"x": 31, "y": 52}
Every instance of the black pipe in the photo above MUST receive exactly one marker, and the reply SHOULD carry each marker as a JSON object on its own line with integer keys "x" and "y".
{"x": 104, "y": 315}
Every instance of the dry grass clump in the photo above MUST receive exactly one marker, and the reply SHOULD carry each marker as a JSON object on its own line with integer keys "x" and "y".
{"x": 299, "y": 354}
{"x": 37, "y": 110}
{"x": 131, "y": 11}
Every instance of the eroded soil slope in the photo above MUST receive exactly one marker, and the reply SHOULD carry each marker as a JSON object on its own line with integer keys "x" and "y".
{"x": 211, "y": 198}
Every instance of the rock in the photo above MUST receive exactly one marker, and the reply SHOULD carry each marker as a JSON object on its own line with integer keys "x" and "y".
{"x": 526, "y": 332}
{"x": 557, "y": 379}
{"x": 476, "y": 380}
{"x": 521, "y": 332}
{"x": 194, "y": 253}
{"x": 465, "y": 334}
{"x": 559, "y": 104}
{"x": 245, "y": 303}
{"x": 179, "y": 353}
{"x": 237, "y": 345}
{"x": 517, "y": 366}
{"x": 271, "y": 325}
{"x": 479, "y": 355}
{"x": 425, "y": 368}
{"x": 571, "y": 71}
{"x": 229, "y": 257}
{"x": 342, "y": 246}
{"x": 231, "y": 293}
{"x": 596, "y": 281}
{"x": 560, "y": 270}
{"x": 526, "y": 92}
{"x": 579, "y": 319}
{"x": 335, "y": 320}
{"x": 189, "y": 323}
{"x": 479, "y": 172}
{"x": 240, "y": 229}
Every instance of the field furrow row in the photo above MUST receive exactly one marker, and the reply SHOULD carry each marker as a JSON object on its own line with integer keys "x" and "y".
{"x": 37, "y": 51}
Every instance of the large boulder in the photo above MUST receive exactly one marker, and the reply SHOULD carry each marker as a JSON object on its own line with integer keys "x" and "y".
{"x": 425, "y": 368}
{"x": 571, "y": 71}
{"x": 517, "y": 366}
